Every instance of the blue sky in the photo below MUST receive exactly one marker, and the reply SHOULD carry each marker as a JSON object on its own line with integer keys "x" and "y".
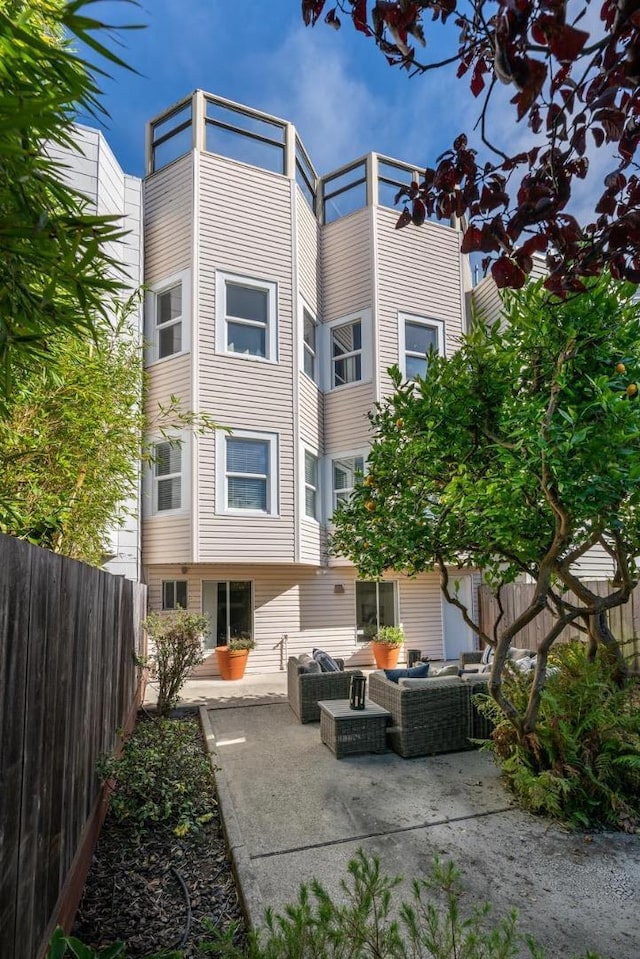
{"x": 334, "y": 86}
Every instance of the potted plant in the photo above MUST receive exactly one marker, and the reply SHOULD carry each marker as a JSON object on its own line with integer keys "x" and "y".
{"x": 232, "y": 658}
{"x": 386, "y": 644}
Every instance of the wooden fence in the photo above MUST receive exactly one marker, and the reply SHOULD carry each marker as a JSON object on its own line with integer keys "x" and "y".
{"x": 624, "y": 621}
{"x": 69, "y": 634}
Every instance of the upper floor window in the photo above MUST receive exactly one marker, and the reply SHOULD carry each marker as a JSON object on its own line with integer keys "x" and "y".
{"x": 310, "y": 345}
{"x": 246, "y": 311}
{"x": 174, "y": 593}
{"x": 418, "y": 338}
{"x": 311, "y": 498}
{"x": 167, "y": 476}
{"x": 346, "y": 353}
{"x": 345, "y": 472}
{"x": 167, "y": 318}
{"x": 249, "y": 473}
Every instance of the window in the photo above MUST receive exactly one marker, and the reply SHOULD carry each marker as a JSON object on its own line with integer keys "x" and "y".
{"x": 344, "y": 477}
{"x": 229, "y": 608}
{"x": 311, "y": 498}
{"x": 174, "y": 593}
{"x": 375, "y": 607}
{"x": 418, "y": 337}
{"x": 246, "y": 311}
{"x": 167, "y": 476}
{"x": 346, "y": 353}
{"x": 249, "y": 480}
{"x": 310, "y": 363}
{"x": 345, "y": 346}
{"x": 167, "y": 310}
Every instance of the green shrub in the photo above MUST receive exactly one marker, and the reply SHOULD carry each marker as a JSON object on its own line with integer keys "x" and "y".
{"x": 163, "y": 778}
{"x": 390, "y": 635}
{"x": 582, "y": 764}
{"x": 177, "y": 648}
{"x": 363, "y": 923}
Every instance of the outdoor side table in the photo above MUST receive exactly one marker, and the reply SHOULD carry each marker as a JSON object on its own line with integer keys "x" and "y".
{"x": 348, "y": 732}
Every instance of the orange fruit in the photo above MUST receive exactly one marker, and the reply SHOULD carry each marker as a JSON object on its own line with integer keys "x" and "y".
{"x": 399, "y": 423}
{"x": 632, "y": 389}
{"x": 621, "y": 368}
{"x": 369, "y": 480}
{"x": 370, "y": 505}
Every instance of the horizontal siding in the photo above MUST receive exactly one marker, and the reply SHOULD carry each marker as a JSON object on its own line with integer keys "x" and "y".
{"x": 297, "y": 603}
{"x": 486, "y": 300}
{"x": 308, "y": 233}
{"x": 168, "y": 218}
{"x": 346, "y": 258}
{"x": 419, "y": 272}
{"x": 346, "y": 422}
{"x": 595, "y": 564}
{"x": 166, "y": 539}
{"x": 237, "y": 392}
{"x": 170, "y": 377}
{"x": 312, "y": 541}
{"x": 311, "y": 414}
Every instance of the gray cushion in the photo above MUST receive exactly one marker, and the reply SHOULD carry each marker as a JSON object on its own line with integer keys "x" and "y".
{"x": 311, "y": 667}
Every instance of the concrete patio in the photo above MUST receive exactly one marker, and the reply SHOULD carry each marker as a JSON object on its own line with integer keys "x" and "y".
{"x": 294, "y": 812}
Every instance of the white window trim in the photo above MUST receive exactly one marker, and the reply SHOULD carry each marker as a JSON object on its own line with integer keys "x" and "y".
{"x": 151, "y": 491}
{"x": 317, "y": 520}
{"x": 271, "y": 288}
{"x": 222, "y": 505}
{"x": 151, "y": 330}
{"x": 164, "y": 582}
{"x": 363, "y": 451}
{"x": 304, "y": 307}
{"x": 428, "y": 321}
{"x": 327, "y": 365}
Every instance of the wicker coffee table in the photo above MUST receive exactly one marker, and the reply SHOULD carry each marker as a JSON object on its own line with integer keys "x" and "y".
{"x": 348, "y": 732}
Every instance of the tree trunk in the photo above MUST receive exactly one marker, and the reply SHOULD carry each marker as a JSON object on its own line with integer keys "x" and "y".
{"x": 601, "y": 635}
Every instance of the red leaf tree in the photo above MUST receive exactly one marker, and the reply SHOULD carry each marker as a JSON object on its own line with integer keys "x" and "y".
{"x": 577, "y": 89}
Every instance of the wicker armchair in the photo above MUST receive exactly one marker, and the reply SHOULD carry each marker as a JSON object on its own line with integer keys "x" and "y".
{"x": 430, "y": 716}
{"x": 471, "y": 661}
{"x": 305, "y": 690}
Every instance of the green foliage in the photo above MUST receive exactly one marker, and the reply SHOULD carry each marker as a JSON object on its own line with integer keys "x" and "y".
{"x": 163, "y": 779}
{"x": 366, "y": 923}
{"x": 177, "y": 648}
{"x": 56, "y": 272}
{"x": 244, "y": 641}
{"x": 582, "y": 764}
{"x": 62, "y": 946}
{"x": 514, "y": 456}
{"x": 390, "y": 636}
{"x": 70, "y": 442}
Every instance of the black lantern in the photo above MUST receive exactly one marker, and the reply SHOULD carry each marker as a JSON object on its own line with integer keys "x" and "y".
{"x": 356, "y": 692}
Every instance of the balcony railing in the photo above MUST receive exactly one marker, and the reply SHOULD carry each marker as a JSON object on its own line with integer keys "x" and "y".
{"x": 215, "y": 125}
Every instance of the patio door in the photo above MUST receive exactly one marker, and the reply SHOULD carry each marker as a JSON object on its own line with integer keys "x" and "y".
{"x": 228, "y": 605}
{"x": 457, "y": 636}
{"x": 376, "y": 605}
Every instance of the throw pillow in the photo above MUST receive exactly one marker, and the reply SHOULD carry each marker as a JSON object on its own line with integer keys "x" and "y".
{"x": 327, "y": 663}
{"x": 487, "y": 655}
{"x": 311, "y": 667}
{"x": 421, "y": 671}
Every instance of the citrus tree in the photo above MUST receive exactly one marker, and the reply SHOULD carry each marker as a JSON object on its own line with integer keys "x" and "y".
{"x": 515, "y": 456}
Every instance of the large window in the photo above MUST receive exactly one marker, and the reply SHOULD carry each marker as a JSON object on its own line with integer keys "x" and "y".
{"x": 250, "y": 479}
{"x": 311, "y": 497}
{"x": 346, "y": 353}
{"x": 174, "y": 593}
{"x": 167, "y": 318}
{"x": 418, "y": 338}
{"x": 167, "y": 476}
{"x": 375, "y": 607}
{"x": 310, "y": 345}
{"x": 229, "y": 608}
{"x": 345, "y": 473}
{"x": 246, "y": 310}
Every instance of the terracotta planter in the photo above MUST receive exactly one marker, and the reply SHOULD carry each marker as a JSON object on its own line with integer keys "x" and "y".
{"x": 386, "y": 657}
{"x": 231, "y": 662}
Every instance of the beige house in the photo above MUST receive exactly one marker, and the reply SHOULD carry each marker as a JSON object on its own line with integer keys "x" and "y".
{"x": 278, "y": 300}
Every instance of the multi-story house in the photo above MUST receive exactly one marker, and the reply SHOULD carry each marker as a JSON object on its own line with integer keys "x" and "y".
{"x": 277, "y": 301}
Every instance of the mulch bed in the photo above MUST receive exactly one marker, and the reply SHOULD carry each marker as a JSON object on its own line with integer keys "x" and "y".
{"x": 158, "y": 892}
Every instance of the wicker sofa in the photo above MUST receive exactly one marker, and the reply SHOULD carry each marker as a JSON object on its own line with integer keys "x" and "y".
{"x": 435, "y": 715}
{"x": 472, "y": 661}
{"x": 305, "y": 689}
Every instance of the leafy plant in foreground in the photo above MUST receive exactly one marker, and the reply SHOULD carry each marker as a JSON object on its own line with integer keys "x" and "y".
{"x": 582, "y": 763}
{"x": 162, "y": 778}
{"x": 177, "y": 648}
